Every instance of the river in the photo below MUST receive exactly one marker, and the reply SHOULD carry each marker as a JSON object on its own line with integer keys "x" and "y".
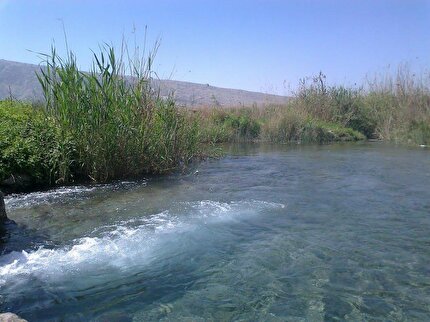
{"x": 267, "y": 233}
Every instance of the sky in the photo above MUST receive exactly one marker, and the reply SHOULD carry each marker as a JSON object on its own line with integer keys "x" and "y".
{"x": 257, "y": 45}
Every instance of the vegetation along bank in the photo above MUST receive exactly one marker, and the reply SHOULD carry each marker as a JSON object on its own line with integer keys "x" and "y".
{"x": 101, "y": 125}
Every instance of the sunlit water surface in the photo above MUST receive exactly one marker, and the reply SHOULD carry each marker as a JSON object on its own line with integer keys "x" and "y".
{"x": 268, "y": 233}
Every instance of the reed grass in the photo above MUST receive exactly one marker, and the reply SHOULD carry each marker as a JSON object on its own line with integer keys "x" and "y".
{"x": 109, "y": 123}
{"x": 400, "y": 106}
{"x": 118, "y": 123}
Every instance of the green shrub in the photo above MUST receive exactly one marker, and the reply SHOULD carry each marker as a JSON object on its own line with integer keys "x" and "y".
{"x": 335, "y": 104}
{"x": 289, "y": 125}
{"x": 29, "y": 143}
{"x": 419, "y": 132}
{"x": 228, "y": 125}
{"x": 349, "y": 110}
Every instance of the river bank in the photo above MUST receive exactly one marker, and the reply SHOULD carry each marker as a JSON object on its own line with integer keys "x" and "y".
{"x": 110, "y": 124}
{"x": 32, "y": 145}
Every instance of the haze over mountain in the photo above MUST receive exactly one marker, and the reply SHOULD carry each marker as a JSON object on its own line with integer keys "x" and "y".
{"x": 19, "y": 81}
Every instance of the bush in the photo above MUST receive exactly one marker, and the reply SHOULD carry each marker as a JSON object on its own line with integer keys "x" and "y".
{"x": 29, "y": 144}
{"x": 419, "y": 132}
{"x": 289, "y": 125}
{"x": 400, "y": 106}
{"x": 335, "y": 104}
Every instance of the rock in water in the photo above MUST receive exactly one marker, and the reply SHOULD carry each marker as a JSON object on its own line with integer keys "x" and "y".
{"x": 3, "y": 216}
{"x": 10, "y": 317}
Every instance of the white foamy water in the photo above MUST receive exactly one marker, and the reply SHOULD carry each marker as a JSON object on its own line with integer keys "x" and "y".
{"x": 34, "y": 198}
{"x": 119, "y": 248}
{"x": 55, "y": 195}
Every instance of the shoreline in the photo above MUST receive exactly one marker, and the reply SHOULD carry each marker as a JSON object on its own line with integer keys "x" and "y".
{"x": 90, "y": 183}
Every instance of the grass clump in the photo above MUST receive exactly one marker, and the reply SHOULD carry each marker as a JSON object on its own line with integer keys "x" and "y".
{"x": 287, "y": 124}
{"x": 227, "y": 125}
{"x": 400, "y": 107}
{"x": 334, "y": 104}
{"x": 419, "y": 132}
{"x": 119, "y": 125}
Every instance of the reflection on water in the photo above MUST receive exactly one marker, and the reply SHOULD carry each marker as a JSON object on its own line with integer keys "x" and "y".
{"x": 269, "y": 233}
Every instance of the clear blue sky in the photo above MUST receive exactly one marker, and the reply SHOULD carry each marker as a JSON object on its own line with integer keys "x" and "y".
{"x": 254, "y": 45}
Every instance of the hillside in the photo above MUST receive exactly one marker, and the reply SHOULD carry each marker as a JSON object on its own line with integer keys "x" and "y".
{"x": 20, "y": 81}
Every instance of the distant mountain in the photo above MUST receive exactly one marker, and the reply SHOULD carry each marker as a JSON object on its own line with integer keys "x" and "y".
{"x": 19, "y": 81}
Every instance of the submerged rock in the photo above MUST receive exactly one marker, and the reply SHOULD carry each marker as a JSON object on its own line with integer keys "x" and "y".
{"x": 10, "y": 317}
{"x": 3, "y": 216}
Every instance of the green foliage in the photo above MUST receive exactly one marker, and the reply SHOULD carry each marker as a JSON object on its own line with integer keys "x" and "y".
{"x": 335, "y": 104}
{"x": 396, "y": 108}
{"x": 109, "y": 123}
{"x": 400, "y": 107}
{"x": 29, "y": 143}
{"x": 228, "y": 125}
{"x": 289, "y": 125}
{"x": 120, "y": 126}
{"x": 419, "y": 132}
{"x": 349, "y": 110}
{"x": 283, "y": 125}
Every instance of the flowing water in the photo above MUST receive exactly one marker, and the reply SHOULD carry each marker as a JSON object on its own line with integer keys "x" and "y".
{"x": 268, "y": 233}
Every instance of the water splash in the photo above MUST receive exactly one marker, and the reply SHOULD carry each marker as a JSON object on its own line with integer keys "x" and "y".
{"x": 16, "y": 201}
{"x": 122, "y": 247}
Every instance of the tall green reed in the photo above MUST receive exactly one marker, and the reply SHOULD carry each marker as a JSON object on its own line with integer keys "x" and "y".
{"x": 119, "y": 125}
